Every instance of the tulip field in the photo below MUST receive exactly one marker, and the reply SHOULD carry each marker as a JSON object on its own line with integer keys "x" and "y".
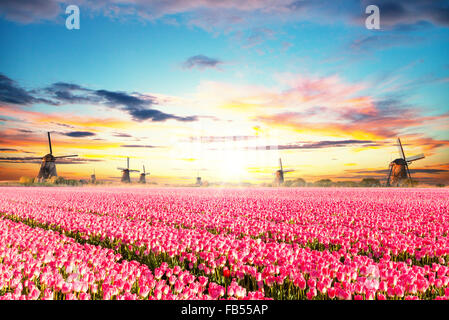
{"x": 137, "y": 243}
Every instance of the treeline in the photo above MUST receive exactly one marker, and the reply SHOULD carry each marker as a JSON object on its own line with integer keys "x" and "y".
{"x": 27, "y": 181}
{"x": 364, "y": 183}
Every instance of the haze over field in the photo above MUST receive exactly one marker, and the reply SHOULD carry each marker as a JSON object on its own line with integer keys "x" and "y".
{"x": 225, "y": 88}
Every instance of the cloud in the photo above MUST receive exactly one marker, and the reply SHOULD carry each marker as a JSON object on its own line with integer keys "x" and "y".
{"x": 10, "y": 150}
{"x": 257, "y": 35}
{"x": 330, "y": 144}
{"x": 79, "y": 134}
{"x": 202, "y": 62}
{"x": 318, "y": 145}
{"x": 212, "y": 139}
{"x": 11, "y": 93}
{"x": 122, "y": 135}
{"x": 27, "y": 11}
{"x": 62, "y": 124}
{"x": 137, "y": 146}
{"x": 325, "y": 106}
{"x": 25, "y": 131}
{"x": 399, "y": 13}
{"x": 7, "y": 150}
{"x": 137, "y": 105}
{"x": 64, "y": 93}
{"x": 384, "y": 41}
{"x": 376, "y": 127}
{"x": 393, "y": 14}
{"x": 230, "y": 14}
{"x": 156, "y": 115}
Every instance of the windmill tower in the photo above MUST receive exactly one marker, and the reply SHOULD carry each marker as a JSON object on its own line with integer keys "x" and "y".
{"x": 198, "y": 179}
{"x": 48, "y": 166}
{"x": 279, "y": 179}
{"x": 93, "y": 179}
{"x": 126, "y": 171}
{"x": 399, "y": 172}
{"x": 142, "y": 178}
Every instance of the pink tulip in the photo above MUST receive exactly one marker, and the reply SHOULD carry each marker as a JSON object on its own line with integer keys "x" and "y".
{"x": 48, "y": 294}
{"x": 66, "y": 288}
{"x": 331, "y": 293}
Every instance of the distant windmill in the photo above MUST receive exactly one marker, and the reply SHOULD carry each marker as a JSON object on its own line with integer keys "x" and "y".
{"x": 198, "y": 179}
{"x": 142, "y": 178}
{"x": 279, "y": 180}
{"x": 93, "y": 179}
{"x": 126, "y": 171}
{"x": 399, "y": 171}
{"x": 48, "y": 167}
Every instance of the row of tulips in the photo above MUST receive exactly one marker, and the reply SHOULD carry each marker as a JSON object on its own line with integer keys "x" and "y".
{"x": 283, "y": 271}
{"x": 345, "y": 285}
{"x": 405, "y": 224}
{"x": 43, "y": 264}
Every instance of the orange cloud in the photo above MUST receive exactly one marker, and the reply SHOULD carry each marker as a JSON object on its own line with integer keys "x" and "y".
{"x": 69, "y": 119}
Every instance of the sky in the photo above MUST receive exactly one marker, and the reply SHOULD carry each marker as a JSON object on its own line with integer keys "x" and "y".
{"x": 223, "y": 89}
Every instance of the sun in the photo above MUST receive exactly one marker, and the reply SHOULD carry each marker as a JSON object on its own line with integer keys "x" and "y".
{"x": 234, "y": 167}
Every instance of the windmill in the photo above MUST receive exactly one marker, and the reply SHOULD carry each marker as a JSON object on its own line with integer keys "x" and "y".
{"x": 198, "y": 179}
{"x": 280, "y": 174}
{"x": 48, "y": 167}
{"x": 126, "y": 171}
{"x": 399, "y": 171}
{"x": 142, "y": 178}
{"x": 93, "y": 179}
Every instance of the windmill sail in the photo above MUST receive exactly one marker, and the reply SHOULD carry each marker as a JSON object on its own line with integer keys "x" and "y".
{"x": 414, "y": 158}
{"x": 401, "y": 150}
{"x": 49, "y": 142}
{"x": 69, "y": 156}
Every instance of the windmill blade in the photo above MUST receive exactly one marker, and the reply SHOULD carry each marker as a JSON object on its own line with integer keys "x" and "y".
{"x": 280, "y": 163}
{"x": 69, "y": 156}
{"x": 143, "y": 169}
{"x": 127, "y": 161}
{"x": 289, "y": 170}
{"x": 121, "y": 168}
{"x": 414, "y": 158}
{"x": 401, "y": 150}
{"x": 131, "y": 170}
{"x": 49, "y": 142}
{"x": 21, "y": 159}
